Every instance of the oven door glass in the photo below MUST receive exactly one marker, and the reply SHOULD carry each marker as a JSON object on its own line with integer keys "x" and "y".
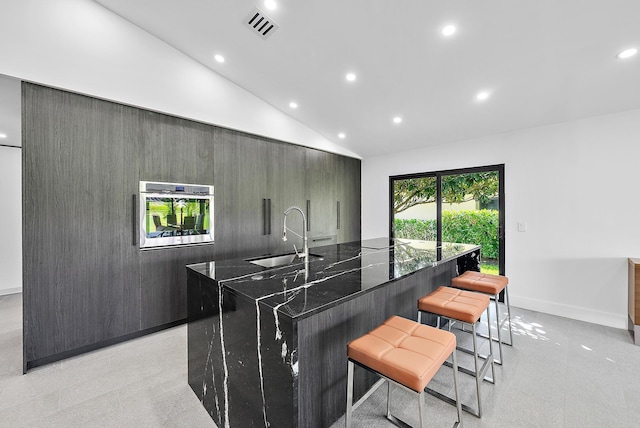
{"x": 175, "y": 219}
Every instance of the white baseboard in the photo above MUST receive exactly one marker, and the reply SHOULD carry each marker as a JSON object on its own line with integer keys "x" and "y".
{"x": 5, "y": 291}
{"x": 573, "y": 312}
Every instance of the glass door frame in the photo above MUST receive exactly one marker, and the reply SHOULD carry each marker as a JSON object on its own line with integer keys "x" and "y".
{"x": 499, "y": 168}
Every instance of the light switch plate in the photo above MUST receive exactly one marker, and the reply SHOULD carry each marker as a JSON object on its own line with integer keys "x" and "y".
{"x": 522, "y": 226}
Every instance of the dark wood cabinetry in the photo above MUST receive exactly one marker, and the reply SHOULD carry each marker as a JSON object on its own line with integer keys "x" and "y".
{"x": 286, "y": 189}
{"x": 320, "y": 179}
{"x": 175, "y": 150}
{"x": 171, "y": 150}
{"x": 86, "y": 283}
{"x": 333, "y": 193}
{"x": 80, "y": 171}
{"x": 271, "y": 177}
{"x": 348, "y": 197}
{"x": 240, "y": 168}
{"x": 163, "y": 290}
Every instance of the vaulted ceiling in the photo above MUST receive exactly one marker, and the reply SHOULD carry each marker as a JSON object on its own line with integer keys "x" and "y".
{"x": 539, "y": 62}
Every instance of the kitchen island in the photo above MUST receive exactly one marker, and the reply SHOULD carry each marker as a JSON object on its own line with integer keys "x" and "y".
{"x": 267, "y": 345}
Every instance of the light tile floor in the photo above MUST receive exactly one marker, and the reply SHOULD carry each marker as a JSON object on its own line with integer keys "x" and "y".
{"x": 560, "y": 373}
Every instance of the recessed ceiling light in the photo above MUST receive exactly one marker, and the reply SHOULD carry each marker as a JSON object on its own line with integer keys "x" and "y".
{"x": 293, "y": 104}
{"x": 397, "y": 119}
{"x": 482, "y": 96}
{"x": 627, "y": 53}
{"x": 219, "y": 58}
{"x": 351, "y": 77}
{"x": 342, "y": 136}
{"x": 448, "y": 30}
{"x": 270, "y": 4}
{"x": 3, "y": 136}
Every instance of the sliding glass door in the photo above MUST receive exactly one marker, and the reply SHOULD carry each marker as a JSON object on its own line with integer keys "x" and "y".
{"x": 464, "y": 205}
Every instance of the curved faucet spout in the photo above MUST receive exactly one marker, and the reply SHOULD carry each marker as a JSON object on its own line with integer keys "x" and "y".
{"x": 305, "y": 250}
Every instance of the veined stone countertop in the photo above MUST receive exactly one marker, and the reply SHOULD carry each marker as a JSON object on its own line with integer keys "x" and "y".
{"x": 336, "y": 273}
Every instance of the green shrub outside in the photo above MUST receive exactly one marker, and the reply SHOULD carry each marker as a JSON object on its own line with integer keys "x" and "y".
{"x": 479, "y": 227}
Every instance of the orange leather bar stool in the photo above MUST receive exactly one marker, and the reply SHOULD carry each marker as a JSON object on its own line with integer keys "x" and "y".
{"x": 493, "y": 286}
{"x": 465, "y": 307}
{"x": 404, "y": 354}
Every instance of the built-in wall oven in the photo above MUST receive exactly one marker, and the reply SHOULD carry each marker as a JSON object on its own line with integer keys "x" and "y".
{"x": 175, "y": 214}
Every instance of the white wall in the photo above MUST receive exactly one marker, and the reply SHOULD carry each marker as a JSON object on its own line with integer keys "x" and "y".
{"x": 80, "y": 46}
{"x": 572, "y": 261}
{"x": 11, "y": 220}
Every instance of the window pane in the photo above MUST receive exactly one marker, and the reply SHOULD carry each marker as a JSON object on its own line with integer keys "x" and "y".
{"x": 414, "y": 205}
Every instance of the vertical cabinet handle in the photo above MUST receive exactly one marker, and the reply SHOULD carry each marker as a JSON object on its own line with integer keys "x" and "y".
{"x": 266, "y": 216}
{"x": 269, "y": 216}
{"x": 308, "y": 215}
{"x": 338, "y": 214}
{"x": 134, "y": 229}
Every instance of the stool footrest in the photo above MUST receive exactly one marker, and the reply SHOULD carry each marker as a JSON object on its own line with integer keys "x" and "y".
{"x": 398, "y": 422}
{"x": 369, "y": 392}
{"x": 483, "y": 369}
{"x": 495, "y": 339}
{"x": 451, "y": 401}
{"x": 481, "y": 356}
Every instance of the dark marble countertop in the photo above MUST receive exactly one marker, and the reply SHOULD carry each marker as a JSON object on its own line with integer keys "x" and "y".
{"x": 335, "y": 273}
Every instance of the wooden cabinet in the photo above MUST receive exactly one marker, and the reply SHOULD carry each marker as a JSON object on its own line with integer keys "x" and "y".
{"x": 333, "y": 193}
{"x": 163, "y": 285}
{"x": 256, "y": 180}
{"x": 175, "y": 150}
{"x": 240, "y": 167}
{"x": 286, "y": 189}
{"x": 634, "y": 299}
{"x": 171, "y": 150}
{"x": 80, "y": 174}
{"x": 86, "y": 283}
{"x": 321, "y": 188}
{"x": 348, "y": 198}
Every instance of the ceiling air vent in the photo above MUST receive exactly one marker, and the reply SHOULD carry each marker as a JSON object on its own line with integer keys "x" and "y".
{"x": 261, "y": 24}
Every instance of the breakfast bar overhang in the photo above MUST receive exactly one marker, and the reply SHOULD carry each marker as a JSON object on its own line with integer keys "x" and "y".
{"x": 267, "y": 338}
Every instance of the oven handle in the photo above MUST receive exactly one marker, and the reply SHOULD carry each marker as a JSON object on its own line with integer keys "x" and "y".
{"x": 134, "y": 230}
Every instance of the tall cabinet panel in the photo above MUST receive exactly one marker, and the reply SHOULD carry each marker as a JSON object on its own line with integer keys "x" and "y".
{"x": 286, "y": 189}
{"x": 240, "y": 165}
{"x": 172, "y": 150}
{"x": 320, "y": 178}
{"x": 80, "y": 170}
{"x": 348, "y": 198}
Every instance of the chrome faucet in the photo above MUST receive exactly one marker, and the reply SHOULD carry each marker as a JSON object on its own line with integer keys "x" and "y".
{"x": 305, "y": 249}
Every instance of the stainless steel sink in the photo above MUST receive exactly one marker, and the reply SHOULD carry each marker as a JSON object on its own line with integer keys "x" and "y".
{"x": 281, "y": 260}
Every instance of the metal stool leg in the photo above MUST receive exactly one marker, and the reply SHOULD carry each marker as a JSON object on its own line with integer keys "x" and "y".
{"x": 422, "y": 411}
{"x": 480, "y": 370}
{"x": 500, "y": 323}
{"x": 455, "y": 387}
{"x": 477, "y": 367}
{"x": 508, "y": 304}
{"x": 388, "y": 400}
{"x": 495, "y": 299}
{"x": 349, "y": 395}
{"x": 493, "y": 370}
